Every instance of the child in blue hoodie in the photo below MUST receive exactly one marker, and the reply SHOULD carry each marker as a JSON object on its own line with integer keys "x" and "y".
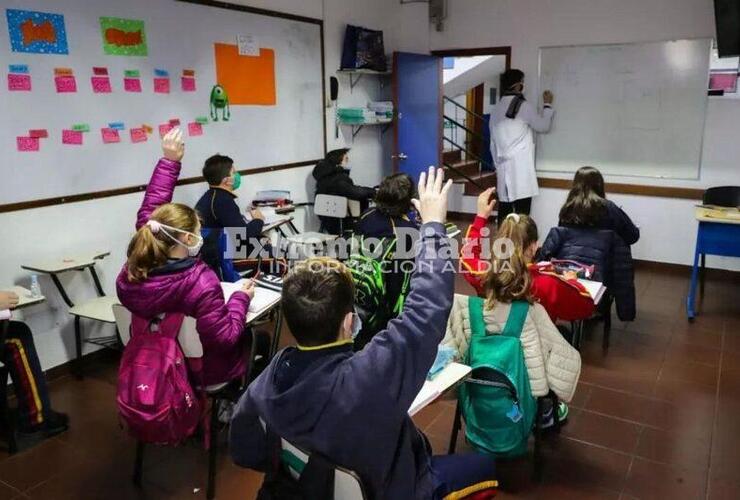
{"x": 353, "y": 408}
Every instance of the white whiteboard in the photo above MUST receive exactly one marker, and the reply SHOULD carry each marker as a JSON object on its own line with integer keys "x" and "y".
{"x": 179, "y": 36}
{"x": 633, "y": 109}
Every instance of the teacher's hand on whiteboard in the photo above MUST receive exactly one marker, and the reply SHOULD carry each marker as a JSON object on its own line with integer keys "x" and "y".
{"x": 172, "y": 145}
{"x": 547, "y": 97}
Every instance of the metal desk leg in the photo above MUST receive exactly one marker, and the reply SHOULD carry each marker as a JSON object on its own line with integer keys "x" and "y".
{"x": 276, "y": 332}
{"x": 293, "y": 228}
{"x": 690, "y": 300}
{"x": 62, "y": 292}
{"x": 98, "y": 286}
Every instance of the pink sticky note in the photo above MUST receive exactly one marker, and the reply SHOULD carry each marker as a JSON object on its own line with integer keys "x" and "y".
{"x": 194, "y": 129}
{"x": 72, "y": 137}
{"x": 27, "y": 144}
{"x": 100, "y": 71}
{"x": 162, "y": 85}
{"x": 164, "y": 129}
{"x": 110, "y": 135}
{"x": 65, "y": 83}
{"x": 132, "y": 85}
{"x": 101, "y": 85}
{"x": 39, "y": 133}
{"x": 188, "y": 84}
{"x": 138, "y": 135}
{"x": 19, "y": 83}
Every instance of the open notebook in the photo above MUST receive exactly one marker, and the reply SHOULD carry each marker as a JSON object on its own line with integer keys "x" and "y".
{"x": 445, "y": 380}
{"x": 263, "y": 298}
{"x": 595, "y": 288}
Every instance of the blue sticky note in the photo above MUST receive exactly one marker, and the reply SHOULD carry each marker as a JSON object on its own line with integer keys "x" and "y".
{"x": 18, "y": 68}
{"x": 37, "y": 32}
{"x": 161, "y": 73}
{"x": 117, "y": 126}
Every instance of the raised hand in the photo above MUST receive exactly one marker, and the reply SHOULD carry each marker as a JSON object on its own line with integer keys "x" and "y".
{"x": 486, "y": 203}
{"x": 548, "y": 97}
{"x": 432, "y": 202}
{"x": 172, "y": 145}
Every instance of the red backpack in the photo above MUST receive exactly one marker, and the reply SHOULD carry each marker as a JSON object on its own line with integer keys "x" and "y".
{"x": 156, "y": 400}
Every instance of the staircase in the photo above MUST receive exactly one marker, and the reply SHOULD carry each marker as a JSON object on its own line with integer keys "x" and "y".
{"x": 461, "y": 164}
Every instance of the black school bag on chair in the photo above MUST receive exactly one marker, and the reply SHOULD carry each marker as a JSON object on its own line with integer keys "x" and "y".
{"x": 363, "y": 49}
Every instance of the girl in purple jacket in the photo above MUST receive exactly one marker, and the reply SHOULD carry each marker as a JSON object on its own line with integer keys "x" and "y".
{"x": 163, "y": 273}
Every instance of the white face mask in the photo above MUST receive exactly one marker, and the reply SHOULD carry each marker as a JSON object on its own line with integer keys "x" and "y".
{"x": 356, "y": 325}
{"x": 193, "y": 250}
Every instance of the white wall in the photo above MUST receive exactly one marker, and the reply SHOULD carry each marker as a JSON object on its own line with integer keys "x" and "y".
{"x": 107, "y": 224}
{"x": 526, "y": 25}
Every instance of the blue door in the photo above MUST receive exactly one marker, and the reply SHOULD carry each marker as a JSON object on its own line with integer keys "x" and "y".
{"x": 417, "y": 96}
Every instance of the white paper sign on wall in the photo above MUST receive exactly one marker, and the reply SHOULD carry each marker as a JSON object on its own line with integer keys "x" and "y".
{"x": 248, "y": 45}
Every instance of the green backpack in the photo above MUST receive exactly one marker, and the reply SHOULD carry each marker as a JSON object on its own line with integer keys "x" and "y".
{"x": 497, "y": 402}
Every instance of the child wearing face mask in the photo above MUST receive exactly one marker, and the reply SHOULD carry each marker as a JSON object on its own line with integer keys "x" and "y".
{"x": 164, "y": 273}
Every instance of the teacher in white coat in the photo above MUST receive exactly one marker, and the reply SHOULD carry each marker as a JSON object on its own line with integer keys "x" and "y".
{"x": 513, "y": 124}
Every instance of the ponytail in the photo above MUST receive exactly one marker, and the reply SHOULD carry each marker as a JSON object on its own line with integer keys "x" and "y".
{"x": 509, "y": 279}
{"x": 148, "y": 250}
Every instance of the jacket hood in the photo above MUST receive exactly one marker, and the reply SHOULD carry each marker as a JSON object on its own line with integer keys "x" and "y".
{"x": 325, "y": 168}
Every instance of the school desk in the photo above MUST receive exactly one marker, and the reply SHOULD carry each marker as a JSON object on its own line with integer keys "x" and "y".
{"x": 266, "y": 301}
{"x": 715, "y": 236}
{"x": 450, "y": 377}
{"x": 97, "y": 309}
{"x": 25, "y": 299}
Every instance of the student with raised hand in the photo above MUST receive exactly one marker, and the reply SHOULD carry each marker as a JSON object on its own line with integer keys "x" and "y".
{"x": 222, "y": 218}
{"x": 393, "y": 209}
{"x": 563, "y": 297}
{"x": 353, "y": 408}
{"x": 164, "y": 273}
{"x": 36, "y": 418}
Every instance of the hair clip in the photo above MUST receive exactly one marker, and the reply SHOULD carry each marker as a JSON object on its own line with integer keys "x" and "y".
{"x": 514, "y": 217}
{"x": 154, "y": 226}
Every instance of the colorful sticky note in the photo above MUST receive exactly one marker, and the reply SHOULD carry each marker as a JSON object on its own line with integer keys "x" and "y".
{"x": 65, "y": 84}
{"x": 188, "y": 72}
{"x": 174, "y": 122}
{"x": 117, "y": 126}
{"x": 81, "y": 127}
{"x": 248, "y": 80}
{"x": 132, "y": 73}
{"x": 162, "y": 73}
{"x": 164, "y": 129}
{"x": 202, "y": 120}
{"x": 63, "y": 72}
{"x": 27, "y": 144}
{"x": 195, "y": 129}
{"x": 110, "y": 135}
{"x": 72, "y": 137}
{"x": 101, "y": 85}
{"x": 40, "y": 133}
{"x": 123, "y": 37}
{"x": 18, "y": 68}
{"x": 161, "y": 85}
{"x": 37, "y": 32}
{"x": 188, "y": 84}
{"x": 138, "y": 135}
{"x": 18, "y": 83}
{"x": 132, "y": 85}
{"x": 100, "y": 71}
{"x": 147, "y": 128}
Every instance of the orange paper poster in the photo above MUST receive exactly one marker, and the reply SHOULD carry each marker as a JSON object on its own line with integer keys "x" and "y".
{"x": 248, "y": 80}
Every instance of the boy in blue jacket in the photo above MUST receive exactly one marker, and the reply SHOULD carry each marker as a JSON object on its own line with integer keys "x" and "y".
{"x": 353, "y": 408}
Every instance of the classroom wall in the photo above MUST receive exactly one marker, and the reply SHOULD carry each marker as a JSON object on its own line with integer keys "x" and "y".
{"x": 526, "y": 25}
{"x": 107, "y": 224}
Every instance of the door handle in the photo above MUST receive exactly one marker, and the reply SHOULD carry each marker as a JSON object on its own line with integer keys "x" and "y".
{"x": 399, "y": 156}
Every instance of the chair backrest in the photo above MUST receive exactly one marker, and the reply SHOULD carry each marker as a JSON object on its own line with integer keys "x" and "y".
{"x": 722, "y": 196}
{"x": 188, "y": 338}
{"x": 329, "y": 205}
{"x": 354, "y": 208}
{"x": 347, "y": 484}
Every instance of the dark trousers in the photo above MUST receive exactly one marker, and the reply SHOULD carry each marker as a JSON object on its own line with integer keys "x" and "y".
{"x": 461, "y": 471}
{"x": 28, "y": 378}
{"x": 505, "y": 208}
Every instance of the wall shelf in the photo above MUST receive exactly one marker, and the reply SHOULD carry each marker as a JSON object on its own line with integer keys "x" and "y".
{"x": 355, "y": 75}
{"x": 384, "y": 125}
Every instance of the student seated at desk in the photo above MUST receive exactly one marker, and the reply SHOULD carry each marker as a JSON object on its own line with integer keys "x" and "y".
{"x": 36, "y": 417}
{"x": 393, "y": 209}
{"x": 353, "y": 408}
{"x": 221, "y": 216}
{"x": 564, "y": 298}
{"x": 552, "y": 363}
{"x": 164, "y": 273}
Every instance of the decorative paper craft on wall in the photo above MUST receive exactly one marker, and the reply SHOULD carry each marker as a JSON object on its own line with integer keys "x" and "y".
{"x": 37, "y": 32}
{"x": 123, "y": 37}
{"x": 131, "y": 81}
{"x": 64, "y": 80}
{"x": 187, "y": 81}
{"x": 27, "y": 144}
{"x": 138, "y": 135}
{"x": 161, "y": 81}
{"x": 101, "y": 81}
{"x": 248, "y": 80}
{"x": 18, "y": 79}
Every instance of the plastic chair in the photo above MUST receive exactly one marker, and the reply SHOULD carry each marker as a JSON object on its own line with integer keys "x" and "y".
{"x": 721, "y": 196}
{"x": 191, "y": 346}
{"x": 336, "y": 207}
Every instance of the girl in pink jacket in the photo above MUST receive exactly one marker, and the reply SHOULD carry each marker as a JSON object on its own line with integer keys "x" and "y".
{"x": 164, "y": 274}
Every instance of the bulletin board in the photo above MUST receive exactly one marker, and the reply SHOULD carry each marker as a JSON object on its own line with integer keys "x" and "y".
{"x": 92, "y": 84}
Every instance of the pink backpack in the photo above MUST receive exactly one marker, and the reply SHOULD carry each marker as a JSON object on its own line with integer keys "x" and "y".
{"x": 156, "y": 401}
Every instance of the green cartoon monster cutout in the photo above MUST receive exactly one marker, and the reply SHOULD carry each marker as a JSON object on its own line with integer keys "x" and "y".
{"x": 219, "y": 100}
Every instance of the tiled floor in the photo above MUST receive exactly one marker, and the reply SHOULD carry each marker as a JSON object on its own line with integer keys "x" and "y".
{"x": 658, "y": 417}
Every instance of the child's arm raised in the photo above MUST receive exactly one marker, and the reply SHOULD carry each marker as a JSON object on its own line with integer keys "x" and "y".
{"x": 398, "y": 358}
{"x": 164, "y": 178}
{"x": 474, "y": 266}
